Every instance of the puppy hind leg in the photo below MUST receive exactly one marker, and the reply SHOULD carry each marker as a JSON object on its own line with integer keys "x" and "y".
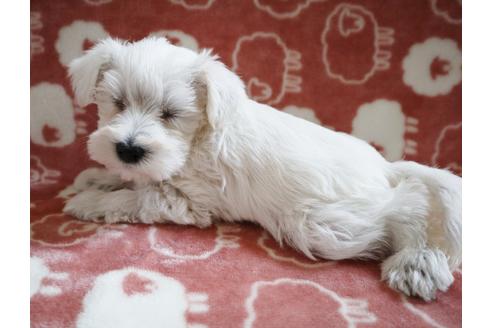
{"x": 340, "y": 230}
{"x": 444, "y": 230}
{"x": 415, "y": 268}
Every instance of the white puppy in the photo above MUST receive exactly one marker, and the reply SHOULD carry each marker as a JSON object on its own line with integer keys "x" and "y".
{"x": 180, "y": 126}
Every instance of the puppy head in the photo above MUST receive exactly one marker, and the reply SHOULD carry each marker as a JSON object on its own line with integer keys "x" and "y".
{"x": 153, "y": 98}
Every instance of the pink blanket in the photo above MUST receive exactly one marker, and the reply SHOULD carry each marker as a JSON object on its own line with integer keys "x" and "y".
{"x": 388, "y": 72}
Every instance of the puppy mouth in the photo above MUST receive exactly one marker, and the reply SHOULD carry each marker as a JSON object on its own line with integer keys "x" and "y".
{"x": 139, "y": 172}
{"x": 131, "y": 172}
{"x": 128, "y": 176}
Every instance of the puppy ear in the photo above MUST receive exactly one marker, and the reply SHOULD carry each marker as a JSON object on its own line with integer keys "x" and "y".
{"x": 86, "y": 71}
{"x": 222, "y": 89}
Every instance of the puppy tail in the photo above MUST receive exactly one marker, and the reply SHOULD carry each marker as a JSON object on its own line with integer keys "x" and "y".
{"x": 433, "y": 195}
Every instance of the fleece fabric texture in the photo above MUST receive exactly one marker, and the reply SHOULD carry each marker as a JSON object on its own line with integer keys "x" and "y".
{"x": 388, "y": 72}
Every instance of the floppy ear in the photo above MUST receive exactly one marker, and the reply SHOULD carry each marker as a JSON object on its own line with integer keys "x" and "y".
{"x": 223, "y": 90}
{"x": 86, "y": 71}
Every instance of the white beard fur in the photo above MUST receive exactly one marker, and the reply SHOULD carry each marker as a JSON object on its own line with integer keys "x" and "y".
{"x": 325, "y": 193}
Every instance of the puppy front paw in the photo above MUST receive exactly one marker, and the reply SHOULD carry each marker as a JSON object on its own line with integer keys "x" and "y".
{"x": 97, "y": 178}
{"x": 101, "y": 206}
{"x": 202, "y": 219}
{"x": 120, "y": 217}
{"x": 83, "y": 205}
{"x": 94, "y": 178}
{"x": 418, "y": 272}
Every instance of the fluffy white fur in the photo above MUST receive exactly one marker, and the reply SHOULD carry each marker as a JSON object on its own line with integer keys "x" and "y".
{"x": 227, "y": 157}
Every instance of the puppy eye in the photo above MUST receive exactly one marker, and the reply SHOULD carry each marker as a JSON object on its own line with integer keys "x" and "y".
{"x": 168, "y": 114}
{"x": 119, "y": 104}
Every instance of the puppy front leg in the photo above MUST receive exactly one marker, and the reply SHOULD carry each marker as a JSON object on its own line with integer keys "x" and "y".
{"x": 94, "y": 178}
{"x": 147, "y": 205}
{"x": 104, "y": 206}
{"x": 161, "y": 203}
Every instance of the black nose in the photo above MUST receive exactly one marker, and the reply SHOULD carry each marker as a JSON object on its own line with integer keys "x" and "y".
{"x": 129, "y": 153}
